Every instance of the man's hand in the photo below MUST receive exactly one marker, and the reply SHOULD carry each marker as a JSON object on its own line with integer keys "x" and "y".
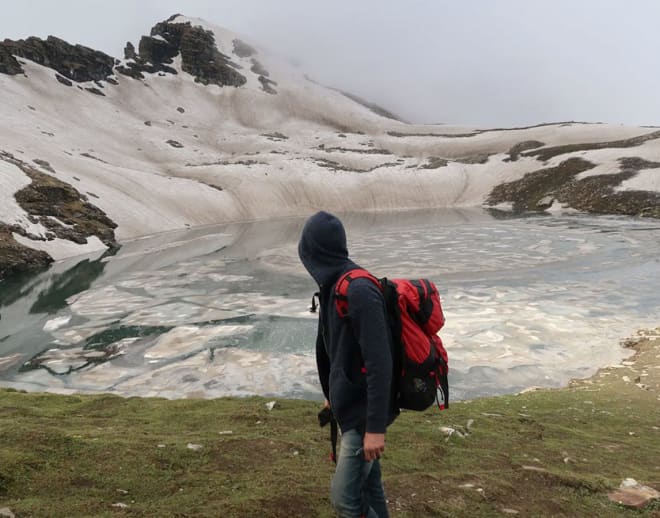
{"x": 325, "y": 415}
{"x": 374, "y": 445}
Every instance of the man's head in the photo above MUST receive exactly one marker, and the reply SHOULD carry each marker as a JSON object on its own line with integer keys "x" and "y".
{"x": 322, "y": 247}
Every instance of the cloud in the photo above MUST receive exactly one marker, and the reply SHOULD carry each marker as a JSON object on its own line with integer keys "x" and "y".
{"x": 474, "y": 62}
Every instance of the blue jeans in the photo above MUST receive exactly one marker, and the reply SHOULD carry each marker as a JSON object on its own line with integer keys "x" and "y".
{"x": 357, "y": 489}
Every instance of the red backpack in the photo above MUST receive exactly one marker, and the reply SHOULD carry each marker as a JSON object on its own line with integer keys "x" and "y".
{"x": 415, "y": 316}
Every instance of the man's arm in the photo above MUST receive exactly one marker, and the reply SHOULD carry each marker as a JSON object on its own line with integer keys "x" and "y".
{"x": 367, "y": 313}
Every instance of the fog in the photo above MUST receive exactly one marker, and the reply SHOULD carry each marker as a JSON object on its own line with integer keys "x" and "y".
{"x": 475, "y": 62}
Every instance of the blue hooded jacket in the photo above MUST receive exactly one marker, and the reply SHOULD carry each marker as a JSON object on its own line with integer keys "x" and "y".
{"x": 352, "y": 355}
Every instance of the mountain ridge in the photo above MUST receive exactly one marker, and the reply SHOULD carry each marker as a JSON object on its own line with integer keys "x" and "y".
{"x": 199, "y": 126}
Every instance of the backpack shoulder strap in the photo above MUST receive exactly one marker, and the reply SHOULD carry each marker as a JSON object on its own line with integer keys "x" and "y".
{"x": 341, "y": 288}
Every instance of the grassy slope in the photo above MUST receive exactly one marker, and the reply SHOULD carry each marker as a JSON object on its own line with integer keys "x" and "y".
{"x": 79, "y": 455}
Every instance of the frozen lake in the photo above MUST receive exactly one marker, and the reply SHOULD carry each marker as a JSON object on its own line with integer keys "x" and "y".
{"x": 223, "y": 310}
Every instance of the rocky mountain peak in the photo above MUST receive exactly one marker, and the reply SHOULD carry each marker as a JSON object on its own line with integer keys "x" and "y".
{"x": 195, "y": 45}
{"x": 75, "y": 62}
{"x": 129, "y": 51}
{"x": 200, "y": 56}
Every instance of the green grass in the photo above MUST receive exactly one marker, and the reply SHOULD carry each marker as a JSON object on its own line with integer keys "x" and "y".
{"x": 542, "y": 453}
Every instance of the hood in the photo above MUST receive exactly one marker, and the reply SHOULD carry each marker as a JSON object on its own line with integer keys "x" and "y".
{"x": 322, "y": 248}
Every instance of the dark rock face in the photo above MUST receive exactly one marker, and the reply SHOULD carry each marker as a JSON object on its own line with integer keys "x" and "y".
{"x": 95, "y": 91}
{"x": 129, "y": 51}
{"x": 532, "y": 190}
{"x": 155, "y": 54}
{"x": 242, "y": 49}
{"x": 199, "y": 55}
{"x": 434, "y": 162}
{"x": 8, "y": 63}
{"x": 16, "y": 258}
{"x": 75, "y": 62}
{"x": 202, "y": 59}
{"x": 157, "y": 50}
{"x": 596, "y": 193}
{"x": 63, "y": 210}
{"x": 378, "y": 110}
{"x": 478, "y": 158}
{"x": 45, "y": 165}
{"x": 258, "y": 68}
{"x": 537, "y": 190}
{"x": 63, "y": 80}
{"x": 526, "y": 145}
{"x": 46, "y": 196}
{"x": 546, "y": 154}
{"x": 267, "y": 85}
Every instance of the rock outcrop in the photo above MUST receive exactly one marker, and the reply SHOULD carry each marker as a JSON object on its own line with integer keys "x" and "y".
{"x": 16, "y": 258}
{"x": 597, "y": 194}
{"x": 61, "y": 208}
{"x": 378, "y": 110}
{"x": 57, "y": 206}
{"x": 75, "y": 62}
{"x": 129, "y": 51}
{"x": 8, "y": 63}
{"x": 199, "y": 55}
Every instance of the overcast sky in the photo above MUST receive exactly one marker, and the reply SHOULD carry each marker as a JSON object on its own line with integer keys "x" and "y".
{"x": 473, "y": 62}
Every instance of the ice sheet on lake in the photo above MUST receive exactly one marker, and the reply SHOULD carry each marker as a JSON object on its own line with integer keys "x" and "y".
{"x": 225, "y": 372}
{"x": 184, "y": 340}
{"x": 532, "y": 301}
{"x": 175, "y": 313}
{"x": 232, "y": 372}
{"x": 8, "y": 361}
{"x": 55, "y": 323}
{"x": 107, "y": 301}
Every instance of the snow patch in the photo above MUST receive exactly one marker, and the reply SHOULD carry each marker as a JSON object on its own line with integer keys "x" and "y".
{"x": 645, "y": 180}
{"x": 61, "y": 248}
{"x": 55, "y": 323}
{"x": 12, "y": 180}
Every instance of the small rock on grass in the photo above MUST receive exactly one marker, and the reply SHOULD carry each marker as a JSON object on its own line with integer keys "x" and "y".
{"x": 194, "y": 447}
{"x": 633, "y": 494}
{"x": 449, "y": 431}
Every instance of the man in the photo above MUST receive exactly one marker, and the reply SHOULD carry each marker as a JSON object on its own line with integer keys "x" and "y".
{"x": 355, "y": 368}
